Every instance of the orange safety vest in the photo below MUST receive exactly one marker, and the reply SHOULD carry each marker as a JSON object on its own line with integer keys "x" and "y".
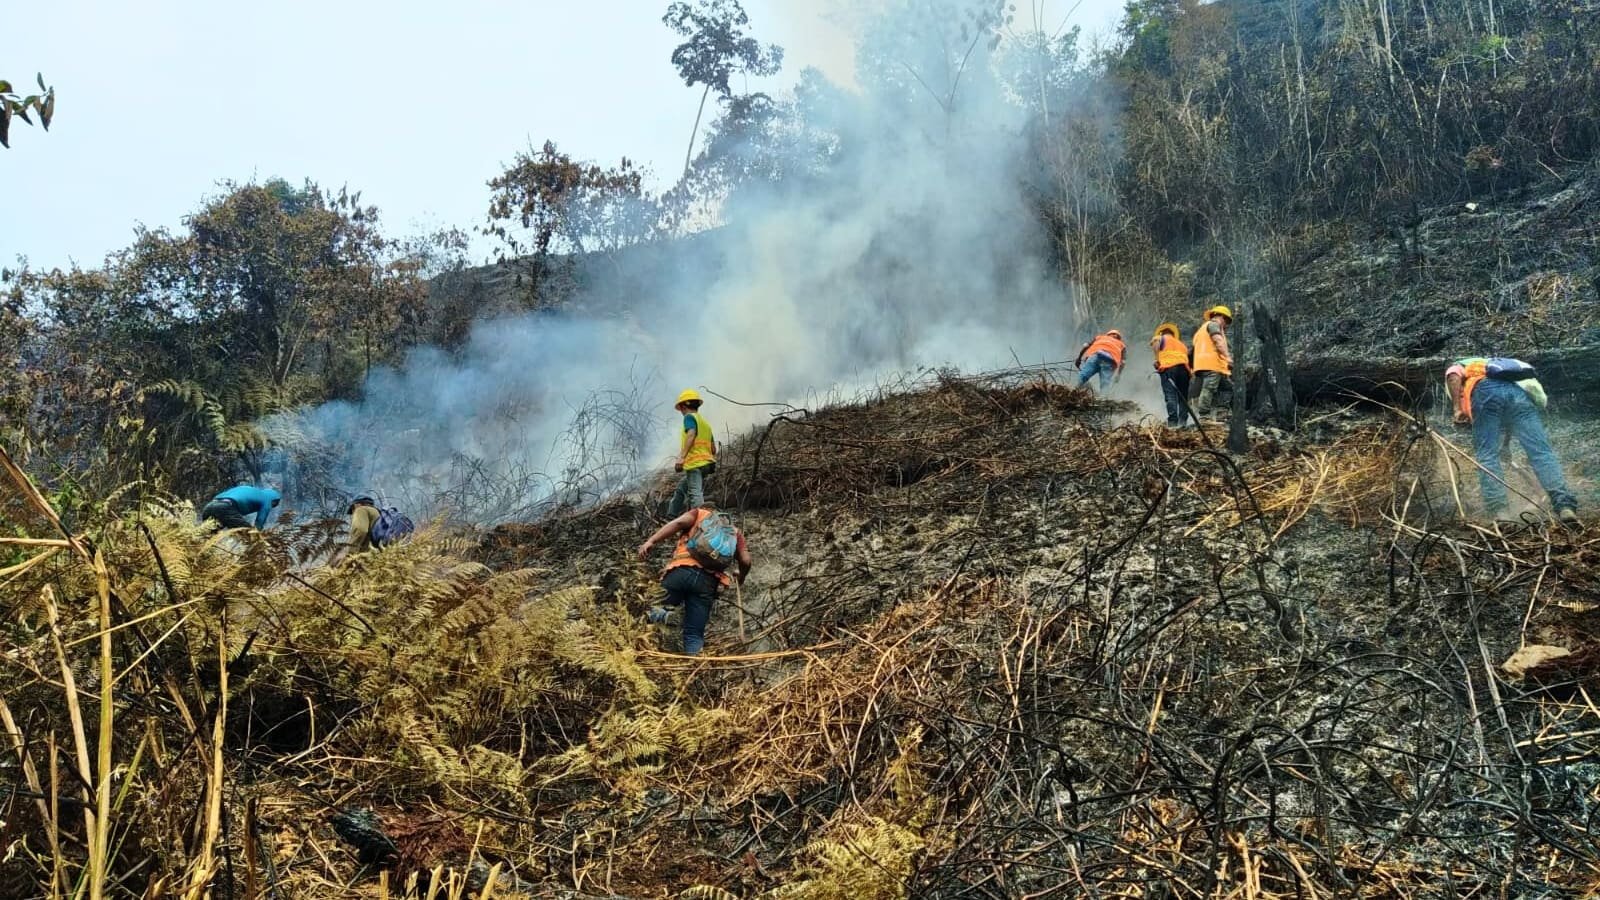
{"x": 1206, "y": 357}
{"x": 682, "y": 557}
{"x": 1171, "y": 354}
{"x": 1107, "y": 344}
{"x": 1473, "y": 372}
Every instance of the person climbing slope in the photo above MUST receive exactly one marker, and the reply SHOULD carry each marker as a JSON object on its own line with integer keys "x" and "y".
{"x": 1213, "y": 363}
{"x": 363, "y": 512}
{"x": 1102, "y": 356}
{"x": 697, "y": 455}
{"x": 1172, "y": 366}
{"x": 372, "y": 527}
{"x": 233, "y": 507}
{"x": 708, "y": 544}
{"x": 1501, "y": 398}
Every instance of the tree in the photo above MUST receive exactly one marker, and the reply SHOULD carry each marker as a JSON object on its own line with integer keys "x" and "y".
{"x": 759, "y": 138}
{"x": 270, "y": 296}
{"x": 1042, "y": 71}
{"x": 547, "y": 203}
{"x": 717, "y": 47}
{"x": 1147, "y": 30}
{"x": 42, "y": 104}
{"x": 287, "y": 267}
{"x": 568, "y": 205}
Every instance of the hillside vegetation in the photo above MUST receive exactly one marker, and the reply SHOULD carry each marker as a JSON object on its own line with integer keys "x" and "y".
{"x": 1308, "y": 161}
{"x": 996, "y": 645}
{"x": 1004, "y": 638}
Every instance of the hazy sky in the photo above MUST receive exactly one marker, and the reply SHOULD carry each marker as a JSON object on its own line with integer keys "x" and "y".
{"x": 414, "y": 104}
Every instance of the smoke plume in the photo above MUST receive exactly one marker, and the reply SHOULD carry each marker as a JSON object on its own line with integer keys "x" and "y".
{"x": 901, "y": 240}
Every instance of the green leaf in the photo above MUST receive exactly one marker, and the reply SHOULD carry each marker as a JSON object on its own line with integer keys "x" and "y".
{"x": 5, "y": 86}
{"x": 48, "y": 110}
{"x": 5, "y": 122}
{"x": 22, "y": 113}
{"x": 40, "y": 76}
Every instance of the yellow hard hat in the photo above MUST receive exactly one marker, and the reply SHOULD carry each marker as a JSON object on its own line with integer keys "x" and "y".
{"x": 689, "y": 395}
{"x": 1168, "y": 328}
{"x": 1220, "y": 310}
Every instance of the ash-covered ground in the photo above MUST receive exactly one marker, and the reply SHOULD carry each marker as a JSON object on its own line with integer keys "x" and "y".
{"x": 1014, "y": 649}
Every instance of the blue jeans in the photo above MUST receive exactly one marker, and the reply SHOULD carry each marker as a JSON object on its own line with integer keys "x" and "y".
{"x": 1175, "y": 390}
{"x": 690, "y": 494}
{"x": 1099, "y": 364}
{"x": 695, "y": 589}
{"x": 1501, "y": 408}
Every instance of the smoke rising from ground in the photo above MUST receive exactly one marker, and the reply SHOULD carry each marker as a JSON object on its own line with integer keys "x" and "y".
{"x": 909, "y": 245}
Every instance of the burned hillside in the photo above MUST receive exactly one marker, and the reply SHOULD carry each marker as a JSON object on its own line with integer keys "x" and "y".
{"x": 1003, "y": 644}
{"x": 1003, "y": 638}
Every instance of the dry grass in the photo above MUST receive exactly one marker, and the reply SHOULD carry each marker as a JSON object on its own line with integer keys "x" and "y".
{"x": 1013, "y": 652}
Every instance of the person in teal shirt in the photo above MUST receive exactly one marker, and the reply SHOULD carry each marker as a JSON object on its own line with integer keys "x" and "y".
{"x": 233, "y": 507}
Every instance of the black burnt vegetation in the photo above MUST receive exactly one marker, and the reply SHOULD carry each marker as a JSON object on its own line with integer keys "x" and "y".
{"x": 1077, "y": 655}
{"x": 1004, "y": 639}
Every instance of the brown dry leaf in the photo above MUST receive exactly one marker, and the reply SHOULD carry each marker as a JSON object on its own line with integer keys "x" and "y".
{"x": 1530, "y": 656}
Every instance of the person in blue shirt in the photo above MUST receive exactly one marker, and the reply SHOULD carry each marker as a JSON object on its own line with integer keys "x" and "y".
{"x": 233, "y": 507}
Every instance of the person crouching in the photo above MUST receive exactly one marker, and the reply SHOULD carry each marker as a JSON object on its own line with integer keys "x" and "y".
{"x": 235, "y": 507}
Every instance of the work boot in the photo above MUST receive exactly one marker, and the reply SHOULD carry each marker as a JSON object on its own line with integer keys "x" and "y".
{"x": 1568, "y": 517}
{"x": 657, "y": 615}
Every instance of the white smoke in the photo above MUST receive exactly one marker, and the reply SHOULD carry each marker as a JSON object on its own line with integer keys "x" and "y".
{"x": 915, "y": 247}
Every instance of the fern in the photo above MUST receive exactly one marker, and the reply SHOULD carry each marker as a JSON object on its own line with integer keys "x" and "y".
{"x": 625, "y": 748}
{"x": 874, "y": 859}
{"x": 707, "y": 892}
{"x": 421, "y": 669}
{"x": 868, "y": 861}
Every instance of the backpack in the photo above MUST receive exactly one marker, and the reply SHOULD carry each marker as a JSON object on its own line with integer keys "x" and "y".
{"x": 714, "y": 541}
{"x": 1504, "y": 368}
{"x": 391, "y": 526}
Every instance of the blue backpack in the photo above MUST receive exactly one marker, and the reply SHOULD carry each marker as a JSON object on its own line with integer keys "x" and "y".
{"x": 714, "y": 542}
{"x": 391, "y": 526}
{"x": 1504, "y": 368}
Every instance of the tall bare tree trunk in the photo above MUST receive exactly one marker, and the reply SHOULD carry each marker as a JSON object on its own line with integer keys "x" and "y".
{"x": 689, "y": 153}
{"x": 1238, "y": 436}
{"x": 1277, "y": 380}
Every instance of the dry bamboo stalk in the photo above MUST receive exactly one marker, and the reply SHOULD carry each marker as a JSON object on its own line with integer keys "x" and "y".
{"x": 132, "y": 622}
{"x": 252, "y": 852}
{"x": 35, "y": 542}
{"x": 1305, "y": 879}
{"x": 100, "y": 836}
{"x": 748, "y": 657}
{"x": 80, "y": 738}
{"x": 25, "y": 565}
{"x": 30, "y": 776}
{"x": 57, "y": 878}
{"x": 36, "y": 500}
{"x": 738, "y": 594}
{"x": 205, "y": 863}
